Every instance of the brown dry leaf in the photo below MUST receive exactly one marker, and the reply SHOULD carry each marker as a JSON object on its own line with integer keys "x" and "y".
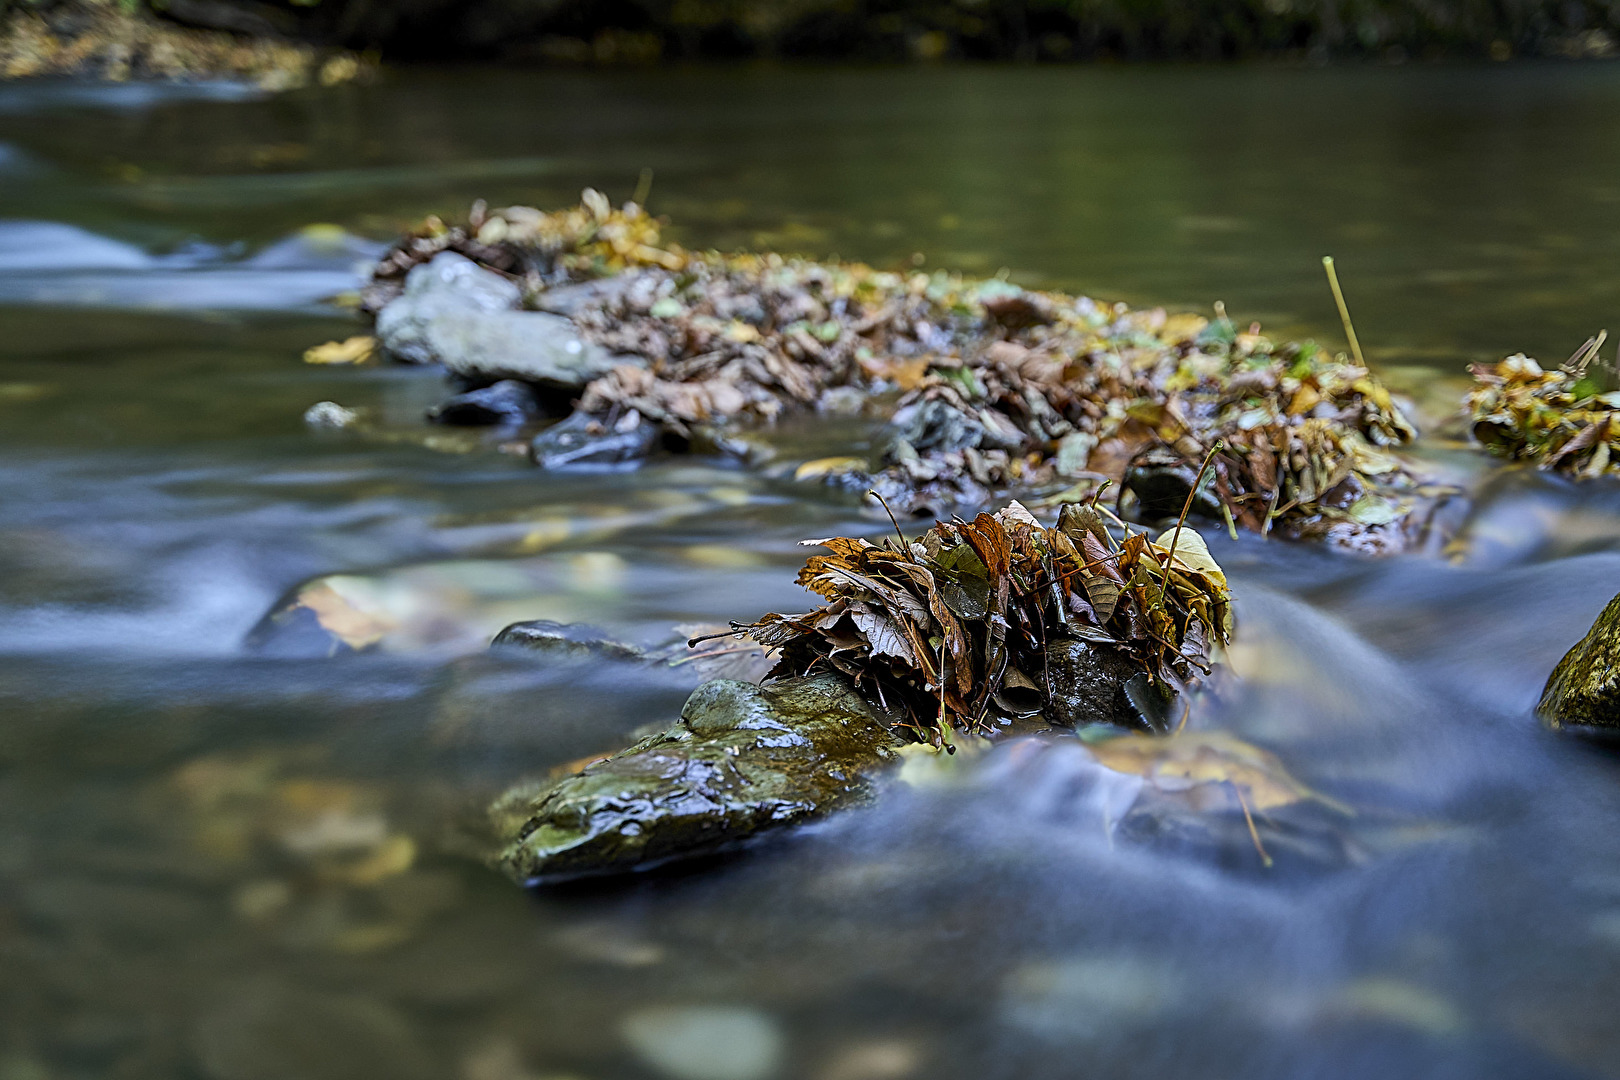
{"x": 337, "y": 615}
{"x": 984, "y": 599}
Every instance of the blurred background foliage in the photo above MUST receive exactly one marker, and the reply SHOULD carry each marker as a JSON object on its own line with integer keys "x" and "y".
{"x": 646, "y": 31}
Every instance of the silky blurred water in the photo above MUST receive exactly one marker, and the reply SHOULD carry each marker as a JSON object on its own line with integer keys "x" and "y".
{"x": 165, "y": 774}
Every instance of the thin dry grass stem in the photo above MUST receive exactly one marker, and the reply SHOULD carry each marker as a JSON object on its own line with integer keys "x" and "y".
{"x": 1344, "y": 310}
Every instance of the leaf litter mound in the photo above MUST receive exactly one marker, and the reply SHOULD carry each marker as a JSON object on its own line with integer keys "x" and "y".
{"x": 1557, "y": 420}
{"x": 990, "y": 389}
{"x": 953, "y": 631}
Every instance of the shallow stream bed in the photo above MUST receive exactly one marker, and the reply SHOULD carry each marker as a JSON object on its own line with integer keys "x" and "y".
{"x": 250, "y": 863}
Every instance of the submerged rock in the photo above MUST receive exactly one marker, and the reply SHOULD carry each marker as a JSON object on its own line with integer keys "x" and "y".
{"x": 705, "y": 1042}
{"x": 741, "y": 760}
{"x": 584, "y": 441}
{"x": 1161, "y": 480}
{"x": 506, "y": 402}
{"x": 565, "y": 641}
{"x": 1584, "y": 690}
{"x": 456, "y": 313}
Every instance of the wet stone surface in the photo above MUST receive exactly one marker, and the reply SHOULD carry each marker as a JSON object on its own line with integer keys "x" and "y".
{"x": 585, "y": 442}
{"x": 742, "y": 760}
{"x": 457, "y": 314}
{"x": 1584, "y": 689}
{"x": 507, "y": 402}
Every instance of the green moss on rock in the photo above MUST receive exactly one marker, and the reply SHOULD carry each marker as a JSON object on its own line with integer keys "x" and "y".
{"x": 1584, "y": 690}
{"x": 741, "y": 760}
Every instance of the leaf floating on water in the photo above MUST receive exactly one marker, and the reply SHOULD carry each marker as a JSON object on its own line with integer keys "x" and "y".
{"x": 829, "y": 466}
{"x": 354, "y": 350}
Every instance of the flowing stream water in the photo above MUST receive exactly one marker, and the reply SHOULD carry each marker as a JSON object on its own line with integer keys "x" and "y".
{"x": 170, "y": 793}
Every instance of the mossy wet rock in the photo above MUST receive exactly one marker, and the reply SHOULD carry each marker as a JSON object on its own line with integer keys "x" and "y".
{"x": 1584, "y": 690}
{"x": 456, "y": 313}
{"x": 742, "y": 760}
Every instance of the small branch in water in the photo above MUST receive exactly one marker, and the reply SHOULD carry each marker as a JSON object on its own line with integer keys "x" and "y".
{"x": 1254, "y": 834}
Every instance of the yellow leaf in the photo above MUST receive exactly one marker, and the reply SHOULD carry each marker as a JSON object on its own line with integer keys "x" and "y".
{"x": 829, "y": 466}
{"x": 355, "y": 350}
{"x": 338, "y": 616}
{"x": 1200, "y": 759}
{"x": 1192, "y": 553}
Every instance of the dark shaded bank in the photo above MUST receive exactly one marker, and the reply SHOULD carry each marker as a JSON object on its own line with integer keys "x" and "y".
{"x": 645, "y": 31}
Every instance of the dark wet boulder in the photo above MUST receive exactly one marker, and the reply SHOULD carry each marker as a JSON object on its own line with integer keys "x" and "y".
{"x": 933, "y": 425}
{"x": 1161, "y": 480}
{"x": 508, "y": 402}
{"x": 586, "y": 441}
{"x": 742, "y": 760}
{"x": 456, "y": 313}
{"x": 1584, "y": 690}
{"x": 1089, "y": 685}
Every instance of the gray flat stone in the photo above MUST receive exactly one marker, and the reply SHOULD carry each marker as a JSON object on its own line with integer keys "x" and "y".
{"x": 455, "y": 313}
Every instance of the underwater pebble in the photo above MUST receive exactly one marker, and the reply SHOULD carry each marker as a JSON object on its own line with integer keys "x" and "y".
{"x": 880, "y": 1059}
{"x": 604, "y": 943}
{"x": 705, "y": 1042}
{"x": 329, "y": 414}
{"x": 1086, "y": 998}
{"x": 270, "y": 1031}
{"x": 1395, "y": 1001}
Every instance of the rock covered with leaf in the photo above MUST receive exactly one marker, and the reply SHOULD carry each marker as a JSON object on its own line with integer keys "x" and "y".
{"x": 988, "y": 388}
{"x": 990, "y": 627}
{"x": 980, "y": 624}
{"x": 1558, "y": 420}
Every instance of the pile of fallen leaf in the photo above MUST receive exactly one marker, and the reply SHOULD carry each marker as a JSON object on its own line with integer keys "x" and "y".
{"x": 1559, "y": 419}
{"x": 992, "y": 388}
{"x": 951, "y": 630}
{"x": 591, "y": 240}
{"x": 1071, "y": 390}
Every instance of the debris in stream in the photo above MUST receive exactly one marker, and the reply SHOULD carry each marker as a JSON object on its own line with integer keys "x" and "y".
{"x": 988, "y": 388}
{"x": 976, "y": 626}
{"x": 359, "y": 349}
{"x": 1558, "y": 420}
{"x": 1583, "y": 691}
{"x": 118, "y": 41}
